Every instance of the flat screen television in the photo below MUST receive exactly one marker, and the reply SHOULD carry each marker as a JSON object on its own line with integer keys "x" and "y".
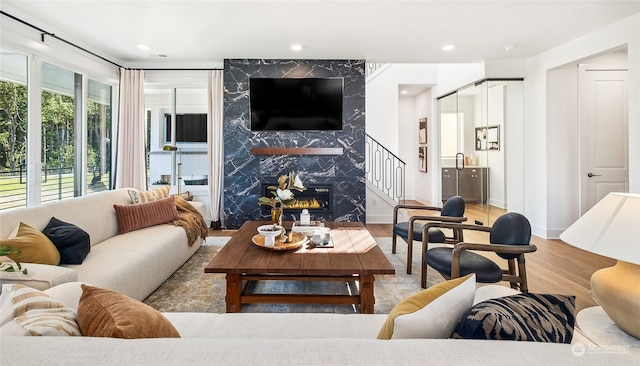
{"x": 190, "y": 127}
{"x": 281, "y": 104}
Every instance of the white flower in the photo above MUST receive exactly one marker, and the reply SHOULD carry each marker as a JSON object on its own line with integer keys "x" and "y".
{"x": 298, "y": 182}
{"x": 285, "y": 194}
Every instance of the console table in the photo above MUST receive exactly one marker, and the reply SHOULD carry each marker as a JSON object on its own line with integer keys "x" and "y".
{"x": 596, "y": 325}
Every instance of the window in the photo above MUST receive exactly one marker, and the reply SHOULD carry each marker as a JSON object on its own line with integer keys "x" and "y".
{"x": 74, "y": 151}
{"x": 59, "y": 120}
{"x": 13, "y": 129}
{"x": 99, "y": 137}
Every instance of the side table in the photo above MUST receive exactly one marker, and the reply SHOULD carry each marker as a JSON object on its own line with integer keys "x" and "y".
{"x": 596, "y": 325}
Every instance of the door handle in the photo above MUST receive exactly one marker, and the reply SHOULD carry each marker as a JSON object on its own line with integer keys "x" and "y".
{"x": 593, "y": 175}
{"x": 459, "y": 157}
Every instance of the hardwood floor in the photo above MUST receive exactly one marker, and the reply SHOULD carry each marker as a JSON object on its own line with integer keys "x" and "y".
{"x": 555, "y": 267}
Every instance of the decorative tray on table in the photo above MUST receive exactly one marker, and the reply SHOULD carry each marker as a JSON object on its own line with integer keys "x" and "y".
{"x": 294, "y": 241}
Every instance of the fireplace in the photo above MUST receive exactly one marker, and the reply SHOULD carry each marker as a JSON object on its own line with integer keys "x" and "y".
{"x": 316, "y": 198}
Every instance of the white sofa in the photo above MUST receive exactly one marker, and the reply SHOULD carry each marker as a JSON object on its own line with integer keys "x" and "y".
{"x": 292, "y": 339}
{"x": 134, "y": 263}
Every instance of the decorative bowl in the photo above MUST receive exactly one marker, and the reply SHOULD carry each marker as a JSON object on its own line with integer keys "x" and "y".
{"x": 270, "y": 230}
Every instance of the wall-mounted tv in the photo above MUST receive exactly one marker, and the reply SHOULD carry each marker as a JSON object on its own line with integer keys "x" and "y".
{"x": 190, "y": 127}
{"x": 281, "y": 104}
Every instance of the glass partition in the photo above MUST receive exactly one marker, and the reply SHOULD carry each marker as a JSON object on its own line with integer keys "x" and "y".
{"x": 473, "y": 156}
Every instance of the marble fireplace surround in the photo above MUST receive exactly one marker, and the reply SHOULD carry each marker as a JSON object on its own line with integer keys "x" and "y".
{"x": 252, "y": 158}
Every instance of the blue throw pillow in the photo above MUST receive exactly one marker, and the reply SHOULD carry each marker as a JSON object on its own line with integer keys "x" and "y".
{"x": 72, "y": 242}
{"x": 521, "y": 317}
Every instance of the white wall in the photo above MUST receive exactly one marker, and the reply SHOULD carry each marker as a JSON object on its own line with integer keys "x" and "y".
{"x": 393, "y": 120}
{"x": 545, "y": 201}
{"x": 424, "y": 190}
{"x": 408, "y": 142}
{"x": 381, "y": 102}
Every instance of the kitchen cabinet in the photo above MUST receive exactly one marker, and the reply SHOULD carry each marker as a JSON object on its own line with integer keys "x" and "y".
{"x": 470, "y": 183}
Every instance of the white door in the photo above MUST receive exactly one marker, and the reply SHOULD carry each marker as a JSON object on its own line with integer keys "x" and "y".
{"x": 604, "y": 140}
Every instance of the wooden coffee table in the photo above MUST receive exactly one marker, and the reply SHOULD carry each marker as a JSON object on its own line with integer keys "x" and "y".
{"x": 354, "y": 257}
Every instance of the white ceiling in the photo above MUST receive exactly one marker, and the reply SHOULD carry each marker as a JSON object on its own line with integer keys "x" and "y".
{"x": 192, "y": 32}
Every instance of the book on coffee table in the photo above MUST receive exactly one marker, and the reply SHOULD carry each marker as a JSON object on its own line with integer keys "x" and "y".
{"x": 307, "y": 229}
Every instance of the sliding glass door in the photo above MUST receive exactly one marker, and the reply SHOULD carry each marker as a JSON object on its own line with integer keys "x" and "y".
{"x": 472, "y": 145}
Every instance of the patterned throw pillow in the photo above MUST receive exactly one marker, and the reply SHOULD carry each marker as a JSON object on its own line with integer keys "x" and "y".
{"x": 185, "y": 196}
{"x": 431, "y": 313}
{"x": 141, "y": 215}
{"x": 106, "y": 313}
{"x": 38, "y": 314}
{"x": 521, "y": 317}
{"x": 148, "y": 196}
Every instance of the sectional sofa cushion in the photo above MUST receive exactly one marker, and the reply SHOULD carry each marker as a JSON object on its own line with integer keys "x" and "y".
{"x": 72, "y": 242}
{"x": 148, "y": 196}
{"x": 27, "y": 311}
{"x": 39, "y": 276}
{"x": 521, "y": 317}
{"x": 34, "y": 246}
{"x": 141, "y": 215}
{"x": 431, "y": 313}
{"x": 106, "y": 313}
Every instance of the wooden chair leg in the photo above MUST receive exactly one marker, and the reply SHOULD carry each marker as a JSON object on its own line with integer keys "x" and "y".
{"x": 423, "y": 261}
{"x": 409, "y": 256}
{"x": 394, "y": 239}
{"x": 423, "y": 271}
{"x": 522, "y": 269}
{"x": 512, "y": 271}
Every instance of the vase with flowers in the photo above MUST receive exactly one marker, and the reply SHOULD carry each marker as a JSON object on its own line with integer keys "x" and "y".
{"x": 282, "y": 195}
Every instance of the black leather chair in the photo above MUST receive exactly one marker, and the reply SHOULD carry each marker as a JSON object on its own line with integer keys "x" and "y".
{"x": 451, "y": 211}
{"x": 509, "y": 238}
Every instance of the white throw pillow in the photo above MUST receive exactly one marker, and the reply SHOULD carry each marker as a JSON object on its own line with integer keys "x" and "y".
{"x": 6, "y": 309}
{"x": 431, "y": 313}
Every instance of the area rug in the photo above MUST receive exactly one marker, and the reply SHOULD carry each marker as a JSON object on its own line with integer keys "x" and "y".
{"x": 189, "y": 289}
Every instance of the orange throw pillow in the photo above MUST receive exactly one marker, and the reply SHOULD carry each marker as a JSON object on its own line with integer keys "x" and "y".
{"x": 141, "y": 215}
{"x": 106, "y": 313}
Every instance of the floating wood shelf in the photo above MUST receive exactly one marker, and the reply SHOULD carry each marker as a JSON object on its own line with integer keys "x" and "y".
{"x": 297, "y": 151}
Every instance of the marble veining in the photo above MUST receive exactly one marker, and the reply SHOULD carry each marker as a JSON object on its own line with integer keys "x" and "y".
{"x": 244, "y": 173}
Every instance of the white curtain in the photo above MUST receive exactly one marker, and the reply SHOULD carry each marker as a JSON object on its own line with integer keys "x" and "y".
{"x": 216, "y": 148}
{"x": 131, "y": 132}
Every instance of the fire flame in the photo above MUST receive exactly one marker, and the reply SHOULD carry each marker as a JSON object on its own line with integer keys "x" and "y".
{"x": 312, "y": 203}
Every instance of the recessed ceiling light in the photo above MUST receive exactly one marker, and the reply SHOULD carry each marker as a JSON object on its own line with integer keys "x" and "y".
{"x": 448, "y": 47}
{"x": 144, "y": 47}
{"x": 403, "y": 92}
{"x": 296, "y": 47}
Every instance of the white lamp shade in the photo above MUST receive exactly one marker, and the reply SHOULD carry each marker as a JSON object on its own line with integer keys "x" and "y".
{"x": 611, "y": 228}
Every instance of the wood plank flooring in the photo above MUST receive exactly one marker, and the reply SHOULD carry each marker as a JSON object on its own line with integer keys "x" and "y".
{"x": 555, "y": 267}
